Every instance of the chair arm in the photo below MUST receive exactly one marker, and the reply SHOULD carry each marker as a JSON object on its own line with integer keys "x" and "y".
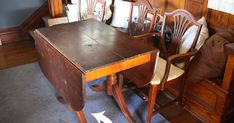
{"x": 181, "y": 57}
{"x": 171, "y": 59}
{"x": 146, "y": 35}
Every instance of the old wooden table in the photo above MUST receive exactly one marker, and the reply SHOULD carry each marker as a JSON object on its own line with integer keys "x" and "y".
{"x": 73, "y": 54}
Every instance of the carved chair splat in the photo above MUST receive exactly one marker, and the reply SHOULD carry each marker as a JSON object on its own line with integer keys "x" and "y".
{"x": 145, "y": 14}
{"x": 91, "y": 5}
{"x": 182, "y": 20}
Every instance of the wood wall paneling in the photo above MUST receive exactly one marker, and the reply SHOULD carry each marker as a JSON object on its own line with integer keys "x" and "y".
{"x": 216, "y": 20}
{"x": 174, "y": 4}
{"x": 158, "y": 3}
{"x": 196, "y": 8}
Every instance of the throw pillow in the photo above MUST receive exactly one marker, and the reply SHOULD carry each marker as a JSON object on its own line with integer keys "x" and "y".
{"x": 189, "y": 35}
{"x": 211, "y": 59}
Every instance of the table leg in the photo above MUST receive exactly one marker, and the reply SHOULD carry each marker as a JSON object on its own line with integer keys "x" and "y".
{"x": 99, "y": 88}
{"x": 81, "y": 116}
{"x": 118, "y": 96}
{"x": 111, "y": 80}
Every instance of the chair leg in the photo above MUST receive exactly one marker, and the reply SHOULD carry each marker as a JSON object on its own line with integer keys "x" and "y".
{"x": 151, "y": 103}
{"x": 181, "y": 92}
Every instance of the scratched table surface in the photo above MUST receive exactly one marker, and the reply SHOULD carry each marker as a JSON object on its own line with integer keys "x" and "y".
{"x": 75, "y": 53}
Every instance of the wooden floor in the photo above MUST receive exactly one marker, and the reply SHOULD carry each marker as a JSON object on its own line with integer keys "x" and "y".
{"x": 23, "y": 52}
{"x": 17, "y": 53}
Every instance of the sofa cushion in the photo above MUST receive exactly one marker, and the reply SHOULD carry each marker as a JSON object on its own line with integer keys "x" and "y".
{"x": 211, "y": 59}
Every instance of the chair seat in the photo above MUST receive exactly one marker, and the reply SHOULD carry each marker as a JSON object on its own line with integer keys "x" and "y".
{"x": 142, "y": 75}
{"x": 175, "y": 72}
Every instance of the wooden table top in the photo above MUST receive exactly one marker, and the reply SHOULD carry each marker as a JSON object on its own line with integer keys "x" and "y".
{"x": 75, "y": 53}
{"x": 90, "y": 44}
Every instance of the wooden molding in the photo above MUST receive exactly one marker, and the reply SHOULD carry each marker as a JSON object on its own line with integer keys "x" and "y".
{"x": 35, "y": 20}
{"x": 12, "y": 35}
{"x": 22, "y": 32}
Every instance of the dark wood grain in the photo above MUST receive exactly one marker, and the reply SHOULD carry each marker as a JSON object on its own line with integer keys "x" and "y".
{"x": 111, "y": 44}
{"x": 17, "y": 53}
{"x": 62, "y": 73}
{"x": 75, "y": 53}
{"x": 174, "y": 113}
{"x": 212, "y": 100}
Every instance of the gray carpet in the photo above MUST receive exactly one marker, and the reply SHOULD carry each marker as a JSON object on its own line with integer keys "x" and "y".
{"x": 26, "y": 96}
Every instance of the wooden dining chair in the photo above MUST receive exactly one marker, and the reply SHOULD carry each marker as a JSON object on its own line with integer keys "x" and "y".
{"x": 142, "y": 18}
{"x": 150, "y": 78}
{"x": 91, "y": 9}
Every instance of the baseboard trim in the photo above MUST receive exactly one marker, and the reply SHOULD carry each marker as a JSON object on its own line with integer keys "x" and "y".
{"x": 21, "y": 32}
{"x": 13, "y": 35}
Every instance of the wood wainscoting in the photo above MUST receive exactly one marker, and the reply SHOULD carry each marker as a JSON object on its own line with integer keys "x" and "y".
{"x": 12, "y": 35}
{"x": 216, "y": 20}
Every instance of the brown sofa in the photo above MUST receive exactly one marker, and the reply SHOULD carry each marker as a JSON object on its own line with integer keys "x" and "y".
{"x": 210, "y": 79}
{"x": 209, "y": 90}
{"x": 212, "y": 100}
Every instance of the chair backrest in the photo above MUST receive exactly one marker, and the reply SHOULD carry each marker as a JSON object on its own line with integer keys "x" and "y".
{"x": 91, "y": 8}
{"x": 146, "y": 17}
{"x": 180, "y": 21}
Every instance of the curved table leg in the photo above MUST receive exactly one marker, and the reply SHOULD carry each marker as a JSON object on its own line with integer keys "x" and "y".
{"x": 118, "y": 96}
{"x": 81, "y": 116}
{"x": 99, "y": 88}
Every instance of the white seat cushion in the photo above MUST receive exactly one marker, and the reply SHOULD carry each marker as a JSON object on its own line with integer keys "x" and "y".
{"x": 160, "y": 70}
